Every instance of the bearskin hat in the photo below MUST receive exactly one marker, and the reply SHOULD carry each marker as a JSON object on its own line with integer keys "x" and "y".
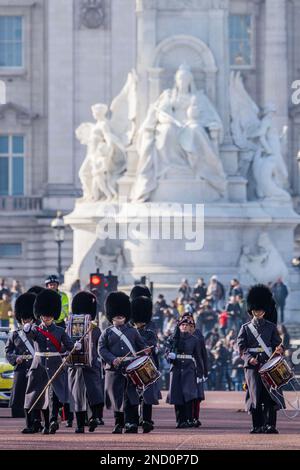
{"x": 260, "y": 298}
{"x": 36, "y": 290}
{"x": 117, "y": 303}
{"x": 141, "y": 309}
{"x": 85, "y": 303}
{"x": 140, "y": 291}
{"x": 47, "y": 303}
{"x": 24, "y": 307}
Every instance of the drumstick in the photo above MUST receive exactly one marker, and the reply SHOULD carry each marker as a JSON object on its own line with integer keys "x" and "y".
{"x": 275, "y": 352}
{"x": 143, "y": 350}
{"x": 139, "y": 352}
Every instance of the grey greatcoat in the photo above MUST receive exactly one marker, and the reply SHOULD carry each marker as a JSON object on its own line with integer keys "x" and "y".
{"x": 184, "y": 372}
{"x": 15, "y": 347}
{"x": 245, "y": 341}
{"x": 200, "y": 385}
{"x": 43, "y": 368}
{"x": 87, "y": 381}
{"x": 118, "y": 387}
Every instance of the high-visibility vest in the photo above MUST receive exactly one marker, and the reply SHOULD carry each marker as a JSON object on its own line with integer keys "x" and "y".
{"x": 64, "y": 307}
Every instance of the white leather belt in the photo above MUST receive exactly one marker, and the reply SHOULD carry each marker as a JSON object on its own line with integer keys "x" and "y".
{"x": 258, "y": 350}
{"x": 47, "y": 354}
{"x": 184, "y": 356}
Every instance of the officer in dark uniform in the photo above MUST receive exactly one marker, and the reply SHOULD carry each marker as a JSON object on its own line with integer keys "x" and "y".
{"x": 19, "y": 353}
{"x": 186, "y": 372}
{"x": 48, "y": 340}
{"x": 115, "y": 342}
{"x": 200, "y": 385}
{"x": 85, "y": 380}
{"x": 141, "y": 313}
{"x": 261, "y": 307}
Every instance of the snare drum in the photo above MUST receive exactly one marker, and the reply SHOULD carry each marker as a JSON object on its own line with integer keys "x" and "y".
{"x": 77, "y": 326}
{"x": 142, "y": 372}
{"x": 276, "y": 372}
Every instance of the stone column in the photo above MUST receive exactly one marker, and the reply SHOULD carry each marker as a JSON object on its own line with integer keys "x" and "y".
{"x": 275, "y": 59}
{"x": 60, "y": 98}
{"x": 218, "y": 42}
{"x": 146, "y": 43}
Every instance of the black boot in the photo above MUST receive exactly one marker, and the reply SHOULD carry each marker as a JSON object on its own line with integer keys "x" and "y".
{"x": 118, "y": 429}
{"x": 147, "y": 427}
{"x": 29, "y": 424}
{"x": 46, "y": 421}
{"x": 80, "y": 419}
{"x": 53, "y": 427}
{"x": 131, "y": 428}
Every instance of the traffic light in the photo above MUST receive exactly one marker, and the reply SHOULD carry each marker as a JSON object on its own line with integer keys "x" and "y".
{"x": 97, "y": 287}
{"x": 111, "y": 282}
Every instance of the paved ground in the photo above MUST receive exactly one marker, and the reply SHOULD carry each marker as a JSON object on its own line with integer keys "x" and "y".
{"x": 223, "y": 427}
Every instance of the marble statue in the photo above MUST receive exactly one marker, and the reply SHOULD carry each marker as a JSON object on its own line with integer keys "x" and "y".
{"x": 178, "y": 128}
{"x": 254, "y": 132}
{"x": 263, "y": 263}
{"x": 106, "y": 142}
{"x": 107, "y": 260}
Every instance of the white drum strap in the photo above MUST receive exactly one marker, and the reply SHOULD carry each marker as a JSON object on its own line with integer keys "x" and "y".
{"x": 124, "y": 339}
{"x": 259, "y": 339}
{"x": 27, "y": 343}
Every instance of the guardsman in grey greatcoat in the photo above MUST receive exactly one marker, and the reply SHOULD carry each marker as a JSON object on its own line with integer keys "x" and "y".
{"x": 117, "y": 341}
{"x": 261, "y": 307}
{"x": 85, "y": 381}
{"x": 19, "y": 353}
{"x": 141, "y": 314}
{"x": 185, "y": 374}
{"x": 48, "y": 341}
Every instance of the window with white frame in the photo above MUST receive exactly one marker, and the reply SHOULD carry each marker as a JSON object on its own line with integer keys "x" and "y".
{"x": 241, "y": 40}
{"x": 11, "y": 41}
{"x": 12, "y": 165}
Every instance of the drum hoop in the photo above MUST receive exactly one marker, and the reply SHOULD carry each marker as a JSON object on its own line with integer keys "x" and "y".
{"x": 146, "y": 358}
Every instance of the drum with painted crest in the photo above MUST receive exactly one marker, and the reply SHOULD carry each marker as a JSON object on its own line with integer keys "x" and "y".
{"x": 276, "y": 372}
{"x": 142, "y": 372}
{"x": 77, "y": 326}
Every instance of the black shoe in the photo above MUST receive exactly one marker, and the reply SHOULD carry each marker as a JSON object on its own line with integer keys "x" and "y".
{"x": 147, "y": 427}
{"x": 69, "y": 424}
{"x": 100, "y": 422}
{"x": 257, "y": 430}
{"x": 37, "y": 426}
{"x": 53, "y": 427}
{"x": 118, "y": 429}
{"x": 271, "y": 430}
{"x": 196, "y": 423}
{"x": 29, "y": 430}
{"x": 92, "y": 424}
{"x": 182, "y": 425}
{"x": 45, "y": 431}
{"x": 190, "y": 424}
{"x": 131, "y": 428}
{"x": 79, "y": 430}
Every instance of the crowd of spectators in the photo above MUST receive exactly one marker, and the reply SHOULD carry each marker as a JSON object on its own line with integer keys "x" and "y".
{"x": 8, "y": 297}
